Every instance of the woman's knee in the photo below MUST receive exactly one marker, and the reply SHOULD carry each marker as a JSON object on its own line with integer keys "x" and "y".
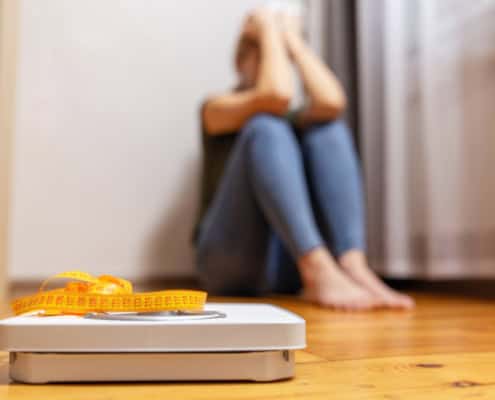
{"x": 266, "y": 124}
{"x": 268, "y": 130}
{"x": 264, "y": 121}
{"x": 333, "y": 135}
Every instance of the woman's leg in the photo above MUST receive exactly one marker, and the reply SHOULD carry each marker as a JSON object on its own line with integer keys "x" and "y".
{"x": 282, "y": 272}
{"x": 263, "y": 188}
{"x": 335, "y": 178}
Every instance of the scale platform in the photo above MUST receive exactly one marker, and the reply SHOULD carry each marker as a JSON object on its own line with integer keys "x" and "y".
{"x": 227, "y": 341}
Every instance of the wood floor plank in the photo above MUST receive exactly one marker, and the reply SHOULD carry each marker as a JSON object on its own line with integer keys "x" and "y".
{"x": 303, "y": 356}
{"x": 445, "y": 349}
{"x": 467, "y": 375}
{"x": 438, "y": 325}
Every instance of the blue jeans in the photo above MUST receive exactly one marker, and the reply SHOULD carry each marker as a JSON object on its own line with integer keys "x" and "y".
{"x": 281, "y": 195}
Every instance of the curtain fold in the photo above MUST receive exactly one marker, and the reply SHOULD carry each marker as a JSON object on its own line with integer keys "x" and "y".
{"x": 427, "y": 126}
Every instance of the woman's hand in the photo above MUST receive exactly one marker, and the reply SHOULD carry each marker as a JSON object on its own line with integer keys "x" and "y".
{"x": 290, "y": 24}
{"x": 291, "y": 29}
{"x": 257, "y": 22}
{"x": 325, "y": 95}
{"x": 273, "y": 88}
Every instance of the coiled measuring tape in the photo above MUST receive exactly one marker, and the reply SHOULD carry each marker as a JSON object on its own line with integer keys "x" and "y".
{"x": 106, "y": 293}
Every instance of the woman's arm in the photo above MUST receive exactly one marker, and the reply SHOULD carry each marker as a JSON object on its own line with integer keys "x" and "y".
{"x": 325, "y": 93}
{"x": 272, "y": 91}
{"x": 226, "y": 113}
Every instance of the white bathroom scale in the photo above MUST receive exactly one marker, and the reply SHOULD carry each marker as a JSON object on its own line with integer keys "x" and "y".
{"x": 226, "y": 341}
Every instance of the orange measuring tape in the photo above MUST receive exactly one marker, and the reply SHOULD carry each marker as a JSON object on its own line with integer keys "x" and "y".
{"x": 106, "y": 293}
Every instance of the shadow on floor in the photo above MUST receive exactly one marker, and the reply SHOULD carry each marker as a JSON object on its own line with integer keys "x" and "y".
{"x": 469, "y": 288}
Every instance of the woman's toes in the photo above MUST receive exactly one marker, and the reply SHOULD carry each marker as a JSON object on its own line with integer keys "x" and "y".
{"x": 406, "y": 301}
{"x": 361, "y": 306}
{"x": 397, "y": 300}
{"x": 387, "y": 297}
{"x": 365, "y": 302}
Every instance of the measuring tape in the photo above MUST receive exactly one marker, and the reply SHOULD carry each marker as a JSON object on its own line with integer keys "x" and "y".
{"x": 105, "y": 293}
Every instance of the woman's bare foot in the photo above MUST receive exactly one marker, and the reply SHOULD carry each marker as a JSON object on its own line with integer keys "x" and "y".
{"x": 355, "y": 265}
{"x": 325, "y": 284}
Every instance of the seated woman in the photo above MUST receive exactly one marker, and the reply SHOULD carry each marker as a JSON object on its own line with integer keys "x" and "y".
{"x": 282, "y": 196}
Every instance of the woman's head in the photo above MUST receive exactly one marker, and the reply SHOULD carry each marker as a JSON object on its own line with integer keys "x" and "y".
{"x": 247, "y": 58}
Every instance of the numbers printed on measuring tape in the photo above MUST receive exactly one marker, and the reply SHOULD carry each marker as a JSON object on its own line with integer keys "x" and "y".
{"x": 104, "y": 294}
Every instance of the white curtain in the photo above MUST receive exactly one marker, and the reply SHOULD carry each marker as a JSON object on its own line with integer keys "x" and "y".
{"x": 427, "y": 118}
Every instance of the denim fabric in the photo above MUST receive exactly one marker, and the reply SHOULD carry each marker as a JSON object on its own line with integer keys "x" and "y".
{"x": 281, "y": 195}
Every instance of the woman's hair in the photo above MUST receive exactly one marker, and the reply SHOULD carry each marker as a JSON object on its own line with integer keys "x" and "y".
{"x": 245, "y": 44}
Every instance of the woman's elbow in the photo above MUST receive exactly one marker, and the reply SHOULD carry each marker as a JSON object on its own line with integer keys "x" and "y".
{"x": 275, "y": 102}
{"x": 331, "y": 108}
{"x": 281, "y": 103}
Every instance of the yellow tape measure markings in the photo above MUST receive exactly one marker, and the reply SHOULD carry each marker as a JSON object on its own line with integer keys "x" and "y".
{"x": 104, "y": 294}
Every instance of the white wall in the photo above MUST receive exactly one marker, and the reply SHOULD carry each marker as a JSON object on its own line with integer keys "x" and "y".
{"x": 8, "y": 40}
{"x": 106, "y": 144}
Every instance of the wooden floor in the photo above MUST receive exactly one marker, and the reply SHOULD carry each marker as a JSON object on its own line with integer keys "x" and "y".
{"x": 445, "y": 349}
